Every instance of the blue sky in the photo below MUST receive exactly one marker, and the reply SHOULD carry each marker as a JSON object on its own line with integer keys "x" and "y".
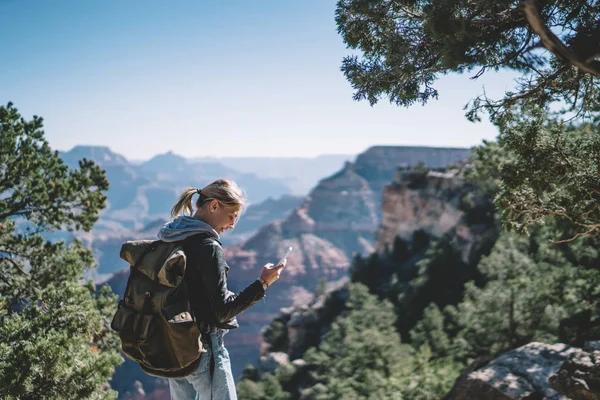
{"x": 208, "y": 78}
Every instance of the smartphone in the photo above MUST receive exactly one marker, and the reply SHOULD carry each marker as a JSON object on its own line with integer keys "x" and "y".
{"x": 284, "y": 257}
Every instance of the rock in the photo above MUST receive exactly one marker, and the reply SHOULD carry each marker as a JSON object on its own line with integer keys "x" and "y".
{"x": 376, "y": 163}
{"x": 579, "y": 376}
{"x": 437, "y": 203}
{"x": 272, "y": 361}
{"x": 518, "y": 374}
{"x": 432, "y": 205}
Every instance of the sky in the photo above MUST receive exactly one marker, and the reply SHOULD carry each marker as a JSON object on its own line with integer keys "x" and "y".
{"x": 209, "y": 79}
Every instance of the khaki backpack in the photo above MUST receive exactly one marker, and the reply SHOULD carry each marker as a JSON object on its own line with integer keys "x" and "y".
{"x": 154, "y": 318}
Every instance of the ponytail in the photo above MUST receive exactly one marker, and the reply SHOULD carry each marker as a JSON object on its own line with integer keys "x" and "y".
{"x": 184, "y": 203}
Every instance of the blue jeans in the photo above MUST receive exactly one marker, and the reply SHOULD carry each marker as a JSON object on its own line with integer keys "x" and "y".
{"x": 198, "y": 385}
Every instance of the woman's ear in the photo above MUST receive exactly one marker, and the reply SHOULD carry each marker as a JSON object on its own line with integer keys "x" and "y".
{"x": 214, "y": 205}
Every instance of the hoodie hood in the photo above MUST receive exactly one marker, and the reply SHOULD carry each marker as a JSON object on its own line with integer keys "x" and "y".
{"x": 183, "y": 227}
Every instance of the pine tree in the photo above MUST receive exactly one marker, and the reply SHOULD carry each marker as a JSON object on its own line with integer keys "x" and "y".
{"x": 532, "y": 293}
{"x": 360, "y": 353}
{"x": 441, "y": 279}
{"x": 54, "y": 336}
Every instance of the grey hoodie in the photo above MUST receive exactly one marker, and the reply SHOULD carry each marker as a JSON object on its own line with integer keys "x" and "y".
{"x": 183, "y": 227}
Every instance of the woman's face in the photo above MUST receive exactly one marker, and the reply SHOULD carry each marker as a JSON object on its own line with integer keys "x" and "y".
{"x": 222, "y": 217}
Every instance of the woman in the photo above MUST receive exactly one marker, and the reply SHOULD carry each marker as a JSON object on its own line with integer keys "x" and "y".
{"x": 218, "y": 208}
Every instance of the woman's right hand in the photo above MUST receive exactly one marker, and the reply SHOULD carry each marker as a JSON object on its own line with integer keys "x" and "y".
{"x": 270, "y": 273}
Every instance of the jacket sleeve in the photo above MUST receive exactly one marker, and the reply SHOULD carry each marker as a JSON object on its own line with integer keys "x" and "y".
{"x": 224, "y": 304}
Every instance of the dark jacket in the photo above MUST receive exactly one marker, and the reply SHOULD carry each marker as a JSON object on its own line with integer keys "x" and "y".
{"x": 206, "y": 281}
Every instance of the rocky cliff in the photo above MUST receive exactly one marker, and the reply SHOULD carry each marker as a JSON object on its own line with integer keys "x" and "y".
{"x": 420, "y": 200}
{"x": 378, "y": 164}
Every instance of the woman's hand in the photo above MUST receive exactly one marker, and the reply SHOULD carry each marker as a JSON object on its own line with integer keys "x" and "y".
{"x": 270, "y": 273}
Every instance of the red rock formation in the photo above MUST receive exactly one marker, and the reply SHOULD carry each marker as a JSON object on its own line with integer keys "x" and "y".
{"x": 432, "y": 206}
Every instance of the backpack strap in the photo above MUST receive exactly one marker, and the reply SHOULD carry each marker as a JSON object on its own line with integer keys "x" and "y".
{"x": 211, "y": 241}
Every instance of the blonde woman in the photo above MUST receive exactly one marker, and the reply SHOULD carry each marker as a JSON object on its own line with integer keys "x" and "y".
{"x": 217, "y": 209}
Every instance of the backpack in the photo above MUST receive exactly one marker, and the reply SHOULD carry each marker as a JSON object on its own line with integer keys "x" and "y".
{"x": 154, "y": 318}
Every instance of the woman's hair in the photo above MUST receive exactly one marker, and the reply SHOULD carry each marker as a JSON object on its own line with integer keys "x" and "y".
{"x": 226, "y": 192}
